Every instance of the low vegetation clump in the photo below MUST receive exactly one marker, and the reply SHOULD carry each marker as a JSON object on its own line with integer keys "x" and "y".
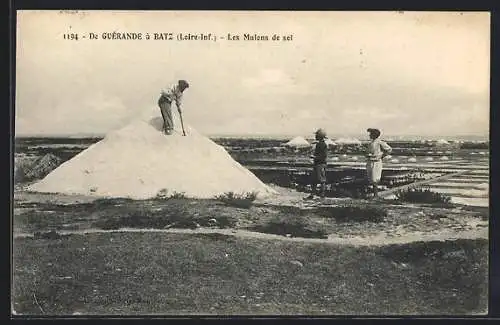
{"x": 238, "y": 200}
{"x": 354, "y": 213}
{"x": 291, "y": 228}
{"x": 178, "y": 195}
{"x": 109, "y": 202}
{"x": 422, "y": 195}
{"x": 163, "y": 194}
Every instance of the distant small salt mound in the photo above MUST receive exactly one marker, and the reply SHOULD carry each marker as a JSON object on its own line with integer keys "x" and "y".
{"x": 442, "y": 142}
{"x": 354, "y": 158}
{"x": 348, "y": 141}
{"x": 430, "y": 152}
{"x": 443, "y": 158}
{"x": 483, "y": 186}
{"x": 429, "y": 158}
{"x": 482, "y": 153}
{"x": 395, "y": 160}
{"x": 387, "y": 157}
{"x": 473, "y": 153}
{"x": 298, "y": 142}
{"x": 344, "y": 156}
{"x": 412, "y": 159}
{"x": 335, "y": 159}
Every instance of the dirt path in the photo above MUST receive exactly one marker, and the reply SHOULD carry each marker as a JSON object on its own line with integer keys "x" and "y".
{"x": 377, "y": 240}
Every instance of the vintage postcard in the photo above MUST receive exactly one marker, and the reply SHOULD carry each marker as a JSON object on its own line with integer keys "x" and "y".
{"x": 251, "y": 163}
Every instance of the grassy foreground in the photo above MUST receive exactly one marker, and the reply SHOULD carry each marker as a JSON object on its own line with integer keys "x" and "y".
{"x": 153, "y": 273}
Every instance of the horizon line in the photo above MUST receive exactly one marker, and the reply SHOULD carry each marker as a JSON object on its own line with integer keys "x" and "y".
{"x": 257, "y": 135}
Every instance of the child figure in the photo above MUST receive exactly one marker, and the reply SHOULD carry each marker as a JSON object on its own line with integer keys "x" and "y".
{"x": 319, "y": 169}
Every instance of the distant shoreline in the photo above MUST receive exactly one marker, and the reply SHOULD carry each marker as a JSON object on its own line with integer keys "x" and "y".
{"x": 273, "y": 137}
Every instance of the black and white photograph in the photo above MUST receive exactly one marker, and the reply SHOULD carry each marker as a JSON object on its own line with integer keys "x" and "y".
{"x": 226, "y": 163}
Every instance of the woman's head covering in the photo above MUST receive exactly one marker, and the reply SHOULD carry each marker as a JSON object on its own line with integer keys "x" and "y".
{"x": 375, "y": 133}
{"x": 183, "y": 83}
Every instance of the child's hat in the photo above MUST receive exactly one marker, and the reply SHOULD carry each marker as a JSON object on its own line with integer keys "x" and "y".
{"x": 321, "y": 133}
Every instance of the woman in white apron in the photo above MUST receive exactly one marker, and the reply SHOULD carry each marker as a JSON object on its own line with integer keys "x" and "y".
{"x": 377, "y": 150}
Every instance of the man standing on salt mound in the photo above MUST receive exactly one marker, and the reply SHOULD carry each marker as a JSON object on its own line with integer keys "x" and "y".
{"x": 169, "y": 95}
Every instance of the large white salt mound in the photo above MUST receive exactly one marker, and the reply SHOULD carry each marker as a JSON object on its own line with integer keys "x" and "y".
{"x": 138, "y": 161}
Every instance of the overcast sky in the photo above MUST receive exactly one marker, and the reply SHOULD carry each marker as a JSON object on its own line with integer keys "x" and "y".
{"x": 406, "y": 73}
